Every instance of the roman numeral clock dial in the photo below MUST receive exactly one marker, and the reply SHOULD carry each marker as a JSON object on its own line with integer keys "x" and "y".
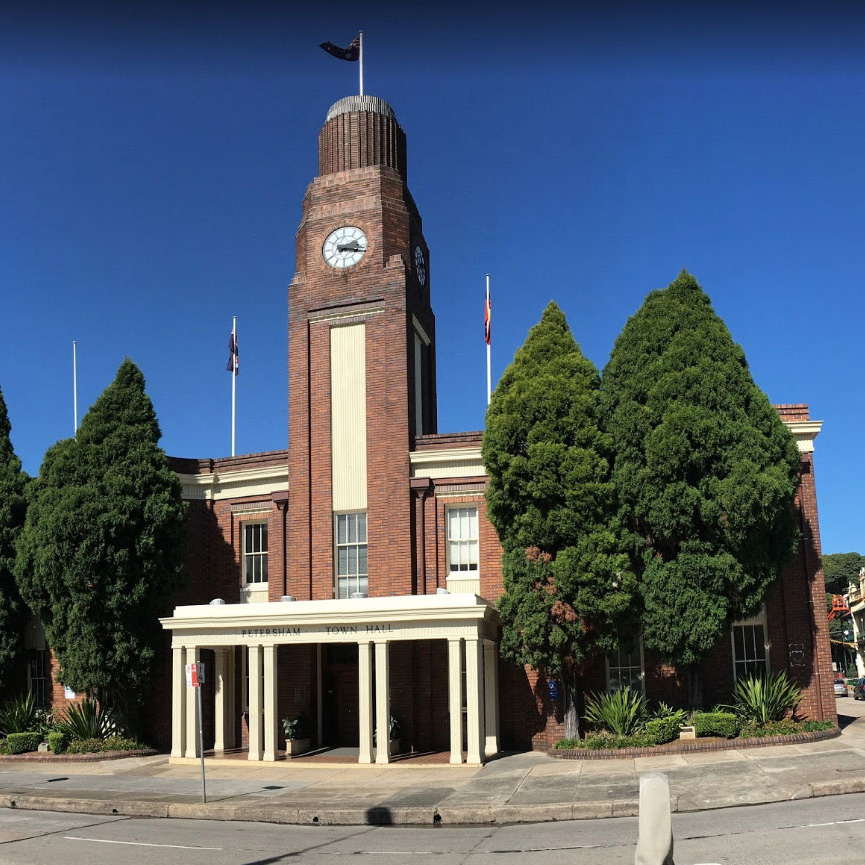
{"x": 344, "y": 247}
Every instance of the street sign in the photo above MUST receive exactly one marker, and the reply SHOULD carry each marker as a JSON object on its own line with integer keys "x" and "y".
{"x": 194, "y": 675}
{"x": 195, "y": 679}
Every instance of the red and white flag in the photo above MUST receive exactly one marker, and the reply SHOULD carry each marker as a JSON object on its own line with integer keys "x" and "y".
{"x": 488, "y": 315}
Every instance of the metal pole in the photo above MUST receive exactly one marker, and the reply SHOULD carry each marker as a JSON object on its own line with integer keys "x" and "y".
{"x": 360, "y": 60}
{"x": 75, "y": 384}
{"x": 234, "y": 361}
{"x": 489, "y": 374}
{"x": 201, "y": 746}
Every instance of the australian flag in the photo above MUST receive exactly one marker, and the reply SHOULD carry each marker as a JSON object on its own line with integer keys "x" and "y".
{"x": 350, "y": 53}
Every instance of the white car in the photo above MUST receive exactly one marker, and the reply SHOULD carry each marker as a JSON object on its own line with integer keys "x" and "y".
{"x": 840, "y": 687}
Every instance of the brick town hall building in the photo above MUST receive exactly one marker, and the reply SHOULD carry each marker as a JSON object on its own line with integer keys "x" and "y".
{"x": 357, "y": 571}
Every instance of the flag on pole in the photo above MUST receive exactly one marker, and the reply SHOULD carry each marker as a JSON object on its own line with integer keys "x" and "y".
{"x": 488, "y": 315}
{"x": 350, "y": 53}
{"x": 233, "y": 356}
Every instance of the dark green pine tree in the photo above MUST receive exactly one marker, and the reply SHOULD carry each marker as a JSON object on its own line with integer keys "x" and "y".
{"x": 100, "y": 553}
{"x": 568, "y": 588}
{"x": 841, "y": 570}
{"x": 12, "y": 511}
{"x": 705, "y": 473}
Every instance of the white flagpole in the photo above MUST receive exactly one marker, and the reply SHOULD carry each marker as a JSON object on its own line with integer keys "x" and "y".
{"x": 489, "y": 376}
{"x": 75, "y": 384}
{"x": 233, "y": 383}
{"x": 360, "y": 60}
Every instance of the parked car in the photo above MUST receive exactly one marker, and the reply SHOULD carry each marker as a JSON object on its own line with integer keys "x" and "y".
{"x": 859, "y": 689}
{"x": 841, "y": 686}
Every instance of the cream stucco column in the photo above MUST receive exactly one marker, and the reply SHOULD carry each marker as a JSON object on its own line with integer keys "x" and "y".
{"x": 270, "y": 704}
{"x": 221, "y": 699}
{"x": 255, "y": 703}
{"x": 474, "y": 699}
{"x": 178, "y": 701}
{"x": 364, "y": 701}
{"x": 382, "y": 703}
{"x": 190, "y": 749}
{"x": 491, "y": 698}
{"x": 455, "y": 700}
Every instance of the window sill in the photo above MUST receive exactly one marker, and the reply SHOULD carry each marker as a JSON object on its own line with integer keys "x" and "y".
{"x": 254, "y": 593}
{"x": 460, "y": 584}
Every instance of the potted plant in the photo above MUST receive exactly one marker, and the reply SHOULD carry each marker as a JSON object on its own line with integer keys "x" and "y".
{"x": 296, "y": 735}
{"x": 394, "y": 733}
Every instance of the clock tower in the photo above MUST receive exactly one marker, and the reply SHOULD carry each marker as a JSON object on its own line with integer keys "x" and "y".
{"x": 361, "y": 357}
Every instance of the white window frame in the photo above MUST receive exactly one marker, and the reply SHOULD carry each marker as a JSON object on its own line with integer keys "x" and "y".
{"x": 637, "y": 650}
{"x": 469, "y": 543}
{"x": 758, "y": 620}
{"x": 357, "y": 545}
{"x": 247, "y": 555}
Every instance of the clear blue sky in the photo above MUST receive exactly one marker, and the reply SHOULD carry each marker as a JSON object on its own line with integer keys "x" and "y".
{"x": 153, "y": 158}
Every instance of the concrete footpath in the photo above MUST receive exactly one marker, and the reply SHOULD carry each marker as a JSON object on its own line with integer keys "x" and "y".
{"x": 517, "y": 788}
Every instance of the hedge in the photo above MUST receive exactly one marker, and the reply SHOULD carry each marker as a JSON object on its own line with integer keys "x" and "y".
{"x": 112, "y": 743}
{"x": 661, "y": 730}
{"x": 21, "y": 743}
{"x": 57, "y": 742}
{"x": 724, "y": 724}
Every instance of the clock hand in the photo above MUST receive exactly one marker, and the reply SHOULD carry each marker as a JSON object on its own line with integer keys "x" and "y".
{"x": 350, "y": 247}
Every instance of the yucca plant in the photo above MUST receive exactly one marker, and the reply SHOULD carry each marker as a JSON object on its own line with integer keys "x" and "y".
{"x": 765, "y": 698}
{"x": 88, "y": 720}
{"x": 19, "y": 715}
{"x": 664, "y": 711}
{"x": 621, "y": 712}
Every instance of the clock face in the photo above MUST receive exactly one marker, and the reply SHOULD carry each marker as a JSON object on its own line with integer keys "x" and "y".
{"x": 420, "y": 265}
{"x": 344, "y": 247}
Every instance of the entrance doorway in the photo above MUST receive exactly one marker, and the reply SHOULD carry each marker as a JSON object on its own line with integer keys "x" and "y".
{"x": 340, "y": 698}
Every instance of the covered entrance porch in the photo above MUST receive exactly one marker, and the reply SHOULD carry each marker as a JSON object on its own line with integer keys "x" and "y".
{"x": 459, "y": 682}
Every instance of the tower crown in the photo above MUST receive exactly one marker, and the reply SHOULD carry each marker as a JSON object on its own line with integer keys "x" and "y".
{"x": 361, "y": 131}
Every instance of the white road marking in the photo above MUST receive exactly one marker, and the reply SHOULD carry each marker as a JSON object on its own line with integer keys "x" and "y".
{"x": 836, "y": 823}
{"x": 136, "y": 843}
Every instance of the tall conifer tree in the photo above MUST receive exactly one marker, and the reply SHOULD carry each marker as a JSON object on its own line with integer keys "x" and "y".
{"x": 705, "y": 473}
{"x": 100, "y": 554}
{"x": 568, "y": 589}
{"x": 12, "y": 512}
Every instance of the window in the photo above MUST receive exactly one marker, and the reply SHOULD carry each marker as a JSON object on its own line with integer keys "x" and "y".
{"x": 625, "y": 669}
{"x": 255, "y": 552}
{"x": 351, "y": 566}
{"x": 36, "y": 678}
{"x": 462, "y": 532}
{"x": 750, "y": 657}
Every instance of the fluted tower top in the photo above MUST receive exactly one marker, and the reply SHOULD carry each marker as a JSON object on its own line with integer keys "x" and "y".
{"x": 360, "y": 131}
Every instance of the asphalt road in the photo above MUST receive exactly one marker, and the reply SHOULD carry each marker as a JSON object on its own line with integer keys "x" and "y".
{"x": 827, "y": 831}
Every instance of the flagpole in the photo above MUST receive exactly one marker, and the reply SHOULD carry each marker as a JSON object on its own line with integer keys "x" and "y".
{"x": 234, "y": 383}
{"x": 75, "y": 384}
{"x": 489, "y": 376}
{"x": 360, "y": 60}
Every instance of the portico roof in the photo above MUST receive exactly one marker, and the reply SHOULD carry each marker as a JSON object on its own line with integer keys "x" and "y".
{"x": 405, "y": 617}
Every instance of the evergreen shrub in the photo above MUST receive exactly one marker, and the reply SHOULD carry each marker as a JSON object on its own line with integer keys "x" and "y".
{"x": 724, "y": 724}
{"x": 57, "y": 742}
{"x": 21, "y": 743}
{"x": 112, "y": 743}
{"x": 602, "y": 741}
{"x": 661, "y": 730}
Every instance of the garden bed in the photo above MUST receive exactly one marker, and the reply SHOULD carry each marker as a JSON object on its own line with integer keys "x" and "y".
{"x": 691, "y": 745}
{"x": 50, "y": 757}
